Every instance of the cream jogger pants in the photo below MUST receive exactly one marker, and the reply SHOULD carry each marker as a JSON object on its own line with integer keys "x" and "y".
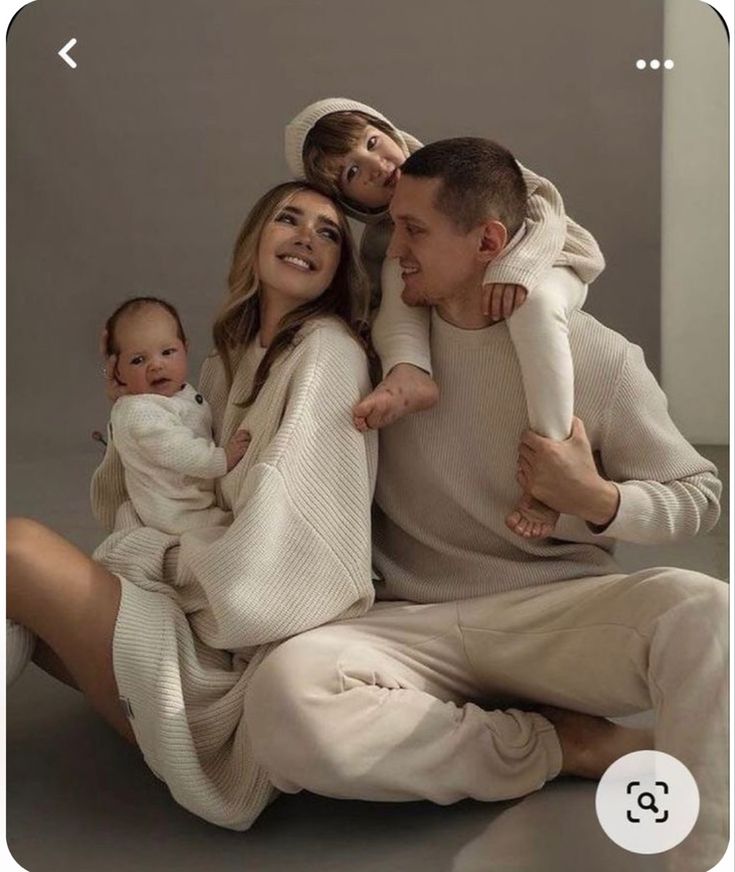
{"x": 417, "y": 701}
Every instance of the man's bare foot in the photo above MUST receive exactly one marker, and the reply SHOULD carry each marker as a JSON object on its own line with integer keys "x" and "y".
{"x": 532, "y": 519}
{"x": 405, "y": 389}
{"x": 589, "y": 745}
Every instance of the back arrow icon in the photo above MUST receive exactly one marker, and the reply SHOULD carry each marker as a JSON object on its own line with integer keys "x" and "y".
{"x": 65, "y": 57}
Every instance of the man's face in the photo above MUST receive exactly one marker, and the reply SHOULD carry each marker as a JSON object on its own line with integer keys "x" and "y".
{"x": 439, "y": 261}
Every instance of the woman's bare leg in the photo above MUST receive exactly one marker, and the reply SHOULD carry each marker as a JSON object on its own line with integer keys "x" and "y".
{"x": 50, "y": 662}
{"x": 71, "y": 603}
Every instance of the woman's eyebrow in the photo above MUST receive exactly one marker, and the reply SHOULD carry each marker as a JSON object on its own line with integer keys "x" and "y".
{"x": 325, "y": 219}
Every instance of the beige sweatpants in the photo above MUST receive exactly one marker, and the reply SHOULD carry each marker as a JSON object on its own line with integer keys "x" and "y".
{"x": 418, "y": 701}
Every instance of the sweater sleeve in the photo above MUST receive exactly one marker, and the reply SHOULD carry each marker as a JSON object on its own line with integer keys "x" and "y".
{"x": 298, "y": 552}
{"x": 550, "y": 239}
{"x": 667, "y": 490}
{"x": 400, "y": 333}
{"x": 107, "y": 491}
{"x": 157, "y": 435}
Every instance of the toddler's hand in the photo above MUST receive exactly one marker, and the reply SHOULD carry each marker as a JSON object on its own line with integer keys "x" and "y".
{"x": 500, "y": 301}
{"x": 236, "y": 448}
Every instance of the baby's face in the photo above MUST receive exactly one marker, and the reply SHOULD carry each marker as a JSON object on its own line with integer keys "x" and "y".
{"x": 368, "y": 173}
{"x": 152, "y": 358}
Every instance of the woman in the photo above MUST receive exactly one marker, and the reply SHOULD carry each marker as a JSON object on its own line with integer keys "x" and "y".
{"x": 174, "y": 627}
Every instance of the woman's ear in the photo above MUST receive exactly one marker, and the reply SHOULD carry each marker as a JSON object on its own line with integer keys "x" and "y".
{"x": 493, "y": 239}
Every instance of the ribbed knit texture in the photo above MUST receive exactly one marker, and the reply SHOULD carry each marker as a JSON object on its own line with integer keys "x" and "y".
{"x": 20, "y": 643}
{"x": 551, "y": 238}
{"x": 458, "y": 461}
{"x": 296, "y": 555}
{"x": 170, "y": 459}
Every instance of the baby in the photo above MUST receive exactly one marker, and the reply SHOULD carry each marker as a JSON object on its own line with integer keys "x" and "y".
{"x": 356, "y": 153}
{"x": 161, "y": 426}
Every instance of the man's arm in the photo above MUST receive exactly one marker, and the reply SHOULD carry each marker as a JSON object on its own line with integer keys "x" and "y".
{"x": 655, "y": 487}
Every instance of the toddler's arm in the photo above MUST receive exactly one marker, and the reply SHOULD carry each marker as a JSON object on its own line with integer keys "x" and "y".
{"x": 550, "y": 239}
{"x": 401, "y": 338}
{"x": 400, "y": 333}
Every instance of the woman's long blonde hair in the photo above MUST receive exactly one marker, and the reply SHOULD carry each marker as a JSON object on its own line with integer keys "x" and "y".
{"x": 238, "y": 321}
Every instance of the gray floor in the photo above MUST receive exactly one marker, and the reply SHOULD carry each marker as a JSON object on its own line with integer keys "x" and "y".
{"x": 80, "y": 799}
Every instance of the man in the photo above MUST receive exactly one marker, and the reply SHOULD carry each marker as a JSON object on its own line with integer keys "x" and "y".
{"x": 384, "y": 707}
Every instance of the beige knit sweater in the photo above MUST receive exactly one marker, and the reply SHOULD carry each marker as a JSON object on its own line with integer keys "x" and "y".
{"x": 447, "y": 476}
{"x": 296, "y": 555}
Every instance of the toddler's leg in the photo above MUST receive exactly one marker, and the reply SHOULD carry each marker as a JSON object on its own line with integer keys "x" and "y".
{"x": 540, "y": 333}
{"x": 401, "y": 338}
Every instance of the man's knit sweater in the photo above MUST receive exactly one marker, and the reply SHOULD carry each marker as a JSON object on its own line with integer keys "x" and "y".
{"x": 447, "y": 476}
{"x": 170, "y": 460}
{"x": 296, "y": 556}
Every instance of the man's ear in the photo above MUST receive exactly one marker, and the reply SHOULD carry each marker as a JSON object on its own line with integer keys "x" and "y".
{"x": 493, "y": 239}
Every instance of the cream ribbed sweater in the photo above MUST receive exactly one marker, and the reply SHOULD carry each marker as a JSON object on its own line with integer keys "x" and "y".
{"x": 447, "y": 476}
{"x": 170, "y": 460}
{"x": 296, "y": 555}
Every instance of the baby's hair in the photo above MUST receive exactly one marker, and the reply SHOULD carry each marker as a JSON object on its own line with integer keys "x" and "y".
{"x": 333, "y": 136}
{"x": 135, "y": 304}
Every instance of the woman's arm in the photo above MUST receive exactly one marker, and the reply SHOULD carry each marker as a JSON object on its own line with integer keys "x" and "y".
{"x": 298, "y": 553}
{"x": 107, "y": 491}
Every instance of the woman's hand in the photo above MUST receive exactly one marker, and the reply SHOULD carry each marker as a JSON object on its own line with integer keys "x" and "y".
{"x": 114, "y": 389}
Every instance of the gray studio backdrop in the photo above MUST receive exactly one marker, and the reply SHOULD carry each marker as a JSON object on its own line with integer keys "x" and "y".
{"x": 132, "y": 173}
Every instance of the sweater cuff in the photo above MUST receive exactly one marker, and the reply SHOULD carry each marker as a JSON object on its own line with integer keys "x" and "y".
{"x": 219, "y": 463}
{"x": 633, "y": 516}
{"x": 415, "y": 356}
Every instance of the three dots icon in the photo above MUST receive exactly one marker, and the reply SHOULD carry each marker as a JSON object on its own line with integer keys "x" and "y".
{"x": 654, "y": 64}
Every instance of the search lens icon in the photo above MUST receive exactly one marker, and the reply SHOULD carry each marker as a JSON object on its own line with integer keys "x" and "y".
{"x": 650, "y": 802}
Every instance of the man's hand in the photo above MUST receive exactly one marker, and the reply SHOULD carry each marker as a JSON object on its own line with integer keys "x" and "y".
{"x": 564, "y": 476}
{"x": 500, "y": 301}
{"x": 236, "y": 448}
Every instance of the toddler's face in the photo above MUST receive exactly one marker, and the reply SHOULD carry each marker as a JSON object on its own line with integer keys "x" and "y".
{"x": 368, "y": 173}
{"x": 151, "y": 358}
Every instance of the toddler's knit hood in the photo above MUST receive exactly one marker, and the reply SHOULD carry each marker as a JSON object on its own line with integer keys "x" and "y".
{"x": 298, "y": 128}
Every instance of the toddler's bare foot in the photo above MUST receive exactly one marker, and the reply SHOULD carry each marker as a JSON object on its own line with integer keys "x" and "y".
{"x": 405, "y": 389}
{"x": 589, "y": 745}
{"x": 532, "y": 519}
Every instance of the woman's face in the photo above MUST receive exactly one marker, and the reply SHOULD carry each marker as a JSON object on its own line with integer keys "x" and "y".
{"x": 368, "y": 173}
{"x": 299, "y": 249}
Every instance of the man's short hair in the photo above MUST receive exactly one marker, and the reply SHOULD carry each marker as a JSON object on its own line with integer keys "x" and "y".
{"x": 480, "y": 180}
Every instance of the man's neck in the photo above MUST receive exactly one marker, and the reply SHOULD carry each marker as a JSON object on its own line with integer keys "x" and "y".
{"x": 465, "y": 310}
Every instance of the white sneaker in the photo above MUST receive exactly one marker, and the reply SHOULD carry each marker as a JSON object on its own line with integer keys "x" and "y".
{"x": 19, "y": 646}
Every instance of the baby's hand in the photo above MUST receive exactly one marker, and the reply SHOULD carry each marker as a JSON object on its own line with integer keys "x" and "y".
{"x": 500, "y": 301}
{"x": 405, "y": 389}
{"x": 236, "y": 448}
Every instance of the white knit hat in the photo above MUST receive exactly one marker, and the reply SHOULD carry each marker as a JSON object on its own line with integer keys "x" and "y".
{"x": 298, "y": 128}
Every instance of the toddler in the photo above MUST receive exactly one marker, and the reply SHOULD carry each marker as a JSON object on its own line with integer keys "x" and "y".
{"x": 161, "y": 426}
{"x": 355, "y": 153}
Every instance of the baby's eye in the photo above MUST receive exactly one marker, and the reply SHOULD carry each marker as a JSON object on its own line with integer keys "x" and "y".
{"x": 169, "y": 351}
{"x": 137, "y": 360}
{"x": 350, "y": 174}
